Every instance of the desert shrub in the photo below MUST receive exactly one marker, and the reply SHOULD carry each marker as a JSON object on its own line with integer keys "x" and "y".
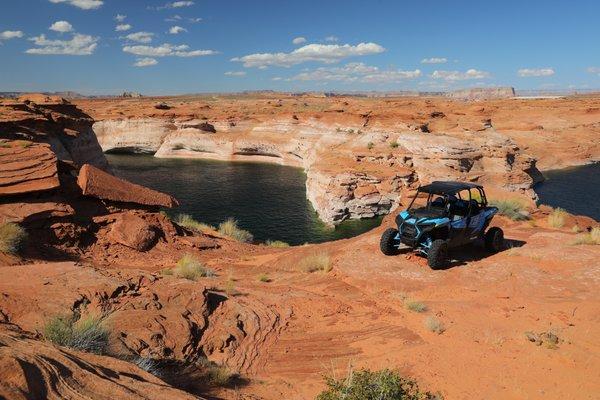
{"x": 11, "y": 237}
{"x": 370, "y": 145}
{"x": 592, "y": 237}
{"x": 512, "y": 209}
{"x": 215, "y": 374}
{"x": 188, "y": 267}
{"x": 230, "y": 229}
{"x": 187, "y": 221}
{"x": 414, "y": 305}
{"x": 364, "y": 384}
{"x": 264, "y": 278}
{"x": 85, "y": 334}
{"x": 394, "y": 144}
{"x": 23, "y": 143}
{"x": 315, "y": 262}
{"x": 556, "y": 219}
{"x": 434, "y": 325}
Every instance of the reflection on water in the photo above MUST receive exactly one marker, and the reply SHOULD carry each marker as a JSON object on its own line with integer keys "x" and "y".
{"x": 576, "y": 189}
{"x": 268, "y": 200}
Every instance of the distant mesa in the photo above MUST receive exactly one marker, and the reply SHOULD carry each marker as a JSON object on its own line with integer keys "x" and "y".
{"x": 131, "y": 95}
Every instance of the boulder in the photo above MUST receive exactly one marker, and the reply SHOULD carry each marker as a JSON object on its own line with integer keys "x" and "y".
{"x": 133, "y": 231}
{"x": 162, "y": 106}
{"x": 97, "y": 183}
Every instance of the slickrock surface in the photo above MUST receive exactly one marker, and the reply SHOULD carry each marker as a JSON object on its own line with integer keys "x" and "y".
{"x": 27, "y": 167}
{"x": 362, "y": 154}
{"x": 32, "y": 369}
{"x": 97, "y": 183}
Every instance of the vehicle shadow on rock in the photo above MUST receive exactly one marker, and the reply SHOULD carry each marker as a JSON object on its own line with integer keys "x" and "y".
{"x": 464, "y": 255}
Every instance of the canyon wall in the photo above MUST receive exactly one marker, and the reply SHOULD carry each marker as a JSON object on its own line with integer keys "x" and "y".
{"x": 351, "y": 172}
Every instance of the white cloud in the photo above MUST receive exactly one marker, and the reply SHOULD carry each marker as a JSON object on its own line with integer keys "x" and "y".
{"x": 331, "y": 39}
{"x": 235, "y": 73}
{"x": 120, "y": 17}
{"x": 535, "y": 72}
{"x": 174, "y": 30}
{"x": 123, "y": 27}
{"x": 434, "y": 60}
{"x": 591, "y": 70}
{"x": 61, "y": 26}
{"x": 277, "y": 78}
{"x": 167, "y": 50}
{"x": 452, "y": 76}
{"x": 176, "y": 4}
{"x": 325, "y": 53}
{"x": 299, "y": 40}
{"x": 7, "y": 35}
{"x": 140, "y": 37}
{"x": 79, "y": 45}
{"x": 145, "y": 62}
{"x": 194, "y": 20}
{"x": 174, "y": 18}
{"x": 356, "y": 72}
{"x": 83, "y": 4}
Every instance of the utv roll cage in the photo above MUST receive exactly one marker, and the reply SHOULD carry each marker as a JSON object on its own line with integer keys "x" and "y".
{"x": 450, "y": 197}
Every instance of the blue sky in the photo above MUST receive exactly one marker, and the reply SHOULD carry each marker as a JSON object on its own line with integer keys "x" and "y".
{"x": 171, "y": 47}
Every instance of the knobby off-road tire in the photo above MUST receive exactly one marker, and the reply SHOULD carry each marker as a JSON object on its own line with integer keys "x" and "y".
{"x": 437, "y": 256}
{"x": 386, "y": 243}
{"x": 494, "y": 240}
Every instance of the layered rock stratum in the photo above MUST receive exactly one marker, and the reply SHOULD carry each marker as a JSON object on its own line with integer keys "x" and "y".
{"x": 362, "y": 155}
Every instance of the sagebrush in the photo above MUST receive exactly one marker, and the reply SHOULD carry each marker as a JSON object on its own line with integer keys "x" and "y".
{"x": 85, "y": 334}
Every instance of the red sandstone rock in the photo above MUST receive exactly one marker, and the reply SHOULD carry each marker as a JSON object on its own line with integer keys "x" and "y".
{"x": 133, "y": 231}
{"x": 27, "y": 167}
{"x": 97, "y": 183}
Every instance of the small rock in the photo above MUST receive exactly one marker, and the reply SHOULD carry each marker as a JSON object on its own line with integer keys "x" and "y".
{"x": 162, "y": 106}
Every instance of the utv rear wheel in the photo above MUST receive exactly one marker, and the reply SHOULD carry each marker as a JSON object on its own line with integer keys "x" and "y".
{"x": 388, "y": 243}
{"x": 494, "y": 240}
{"x": 437, "y": 256}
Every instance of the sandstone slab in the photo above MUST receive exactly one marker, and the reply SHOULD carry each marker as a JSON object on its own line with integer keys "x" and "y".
{"x": 97, "y": 183}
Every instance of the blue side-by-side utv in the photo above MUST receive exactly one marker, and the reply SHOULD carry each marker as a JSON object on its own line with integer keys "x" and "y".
{"x": 441, "y": 216}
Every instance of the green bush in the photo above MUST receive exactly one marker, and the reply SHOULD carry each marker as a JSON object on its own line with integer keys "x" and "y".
{"x": 512, "y": 209}
{"x": 85, "y": 334}
{"x": 364, "y": 384}
{"x": 11, "y": 237}
{"x": 230, "y": 229}
{"x": 434, "y": 325}
{"x": 188, "y": 267}
{"x": 370, "y": 145}
{"x": 394, "y": 144}
{"x": 187, "y": 221}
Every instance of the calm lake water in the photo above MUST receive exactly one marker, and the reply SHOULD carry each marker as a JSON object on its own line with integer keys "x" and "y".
{"x": 268, "y": 200}
{"x": 576, "y": 189}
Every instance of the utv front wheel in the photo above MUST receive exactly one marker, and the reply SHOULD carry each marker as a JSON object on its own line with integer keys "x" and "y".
{"x": 388, "y": 243}
{"x": 494, "y": 240}
{"x": 437, "y": 256}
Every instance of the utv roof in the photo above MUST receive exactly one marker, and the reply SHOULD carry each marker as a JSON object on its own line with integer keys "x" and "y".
{"x": 447, "y": 187}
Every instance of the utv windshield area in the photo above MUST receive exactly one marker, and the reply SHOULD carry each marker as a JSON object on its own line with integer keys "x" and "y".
{"x": 447, "y": 199}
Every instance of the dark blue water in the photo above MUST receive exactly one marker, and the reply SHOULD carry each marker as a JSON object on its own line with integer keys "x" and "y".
{"x": 268, "y": 200}
{"x": 576, "y": 189}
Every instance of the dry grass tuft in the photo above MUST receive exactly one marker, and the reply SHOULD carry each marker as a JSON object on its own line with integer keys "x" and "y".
{"x": 592, "y": 237}
{"x": 11, "y": 237}
{"x": 415, "y": 305}
{"x": 85, "y": 334}
{"x": 315, "y": 262}
{"x": 188, "y": 267}
{"x": 276, "y": 243}
{"x": 556, "y": 219}
{"x": 231, "y": 229}
{"x": 512, "y": 209}
{"x": 187, "y": 221}
{"x": 264, "y": 278}
{"x": 433, "y": 324}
